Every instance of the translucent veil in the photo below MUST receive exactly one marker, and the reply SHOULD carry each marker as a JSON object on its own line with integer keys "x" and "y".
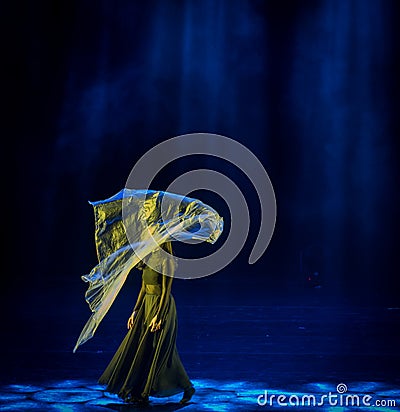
{"x": 129, "y": 228}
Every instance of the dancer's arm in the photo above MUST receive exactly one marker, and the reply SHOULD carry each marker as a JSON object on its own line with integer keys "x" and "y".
{"x": 140, "y": 266}
{"x": 159, "y": 317}
{"x": 166, "y": 283}
{"x": 137, "y": 306}
{"x": 165, "y": 292}
{"x": 140, "y": 297}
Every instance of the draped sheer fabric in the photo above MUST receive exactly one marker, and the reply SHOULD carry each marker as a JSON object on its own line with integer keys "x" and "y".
{"x": 129, "y": 229}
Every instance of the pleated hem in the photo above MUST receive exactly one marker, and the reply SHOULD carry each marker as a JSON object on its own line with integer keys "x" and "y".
{"x": 147, "y": 364}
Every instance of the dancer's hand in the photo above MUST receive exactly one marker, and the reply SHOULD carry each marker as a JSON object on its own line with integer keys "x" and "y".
{"x": 154, "y": 325}
{"x": 131, "y": 319}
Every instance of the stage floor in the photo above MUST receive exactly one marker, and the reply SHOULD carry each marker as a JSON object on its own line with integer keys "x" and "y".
{"x": 238, "y": 357}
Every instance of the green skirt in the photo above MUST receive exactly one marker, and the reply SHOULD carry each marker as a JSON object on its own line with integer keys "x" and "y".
{"x": 147, "y": 363}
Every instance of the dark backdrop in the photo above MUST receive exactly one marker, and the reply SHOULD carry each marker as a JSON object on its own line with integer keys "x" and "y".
{"x": 311, "y": 87}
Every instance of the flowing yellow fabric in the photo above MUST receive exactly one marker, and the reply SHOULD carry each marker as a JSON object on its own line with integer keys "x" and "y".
{"x": 129, "y": 228}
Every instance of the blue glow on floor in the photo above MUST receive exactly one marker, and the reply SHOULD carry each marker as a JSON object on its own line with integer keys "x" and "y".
{"x": 23, "y": 406}
{"x": 23, "y": 388}
{"x": 10, "y": 396}
{"x": 70, "y": 395}
{"x": 211, "y": 395}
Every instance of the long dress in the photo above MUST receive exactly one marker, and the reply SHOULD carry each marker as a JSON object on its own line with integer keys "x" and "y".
{"x": 147, "y": 363}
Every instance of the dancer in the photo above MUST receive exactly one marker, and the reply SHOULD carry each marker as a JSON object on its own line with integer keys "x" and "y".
{"x": 135, "y": 228}
{"x": 147, "y": 362}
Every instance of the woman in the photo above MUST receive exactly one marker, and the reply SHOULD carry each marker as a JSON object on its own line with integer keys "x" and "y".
{"x": 147, "y": 362}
